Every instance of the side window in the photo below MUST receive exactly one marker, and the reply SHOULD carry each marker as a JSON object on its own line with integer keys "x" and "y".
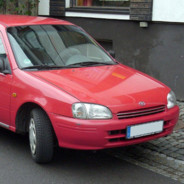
{"x": 5, "y": 65}
{"x": 2, "y": 50}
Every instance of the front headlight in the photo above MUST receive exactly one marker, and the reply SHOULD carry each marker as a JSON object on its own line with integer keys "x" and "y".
{"x": 171, "y": 100}
{"x": 90, "y": 111}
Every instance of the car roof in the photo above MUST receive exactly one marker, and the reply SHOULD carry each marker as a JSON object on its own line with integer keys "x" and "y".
{"x": 19, "y": 20}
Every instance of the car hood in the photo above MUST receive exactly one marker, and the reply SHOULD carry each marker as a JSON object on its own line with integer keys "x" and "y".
{"x": 115, "y": 86}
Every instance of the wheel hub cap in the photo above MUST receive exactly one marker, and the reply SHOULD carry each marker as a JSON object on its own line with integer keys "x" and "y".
{"x": 32, "y": 136}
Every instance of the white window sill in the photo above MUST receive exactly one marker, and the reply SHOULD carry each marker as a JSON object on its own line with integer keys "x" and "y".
{"x": 97, "y": 15}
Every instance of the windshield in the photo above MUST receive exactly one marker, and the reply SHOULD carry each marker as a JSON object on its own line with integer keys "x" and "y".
{"x": 55, "y": 46}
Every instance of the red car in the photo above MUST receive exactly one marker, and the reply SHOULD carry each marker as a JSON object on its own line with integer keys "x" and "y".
{"x": 59, "y": 85}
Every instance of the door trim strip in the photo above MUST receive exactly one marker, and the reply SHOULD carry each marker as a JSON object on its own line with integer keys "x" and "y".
{"x": 4, "y": 125}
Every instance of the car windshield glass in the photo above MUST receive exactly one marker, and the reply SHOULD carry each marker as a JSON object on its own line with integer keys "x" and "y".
{"x": 55, "y": 45}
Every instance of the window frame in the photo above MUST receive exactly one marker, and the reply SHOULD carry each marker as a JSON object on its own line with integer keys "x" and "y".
{"x": 95, "y": 9}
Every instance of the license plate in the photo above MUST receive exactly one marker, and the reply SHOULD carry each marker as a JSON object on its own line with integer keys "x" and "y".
{"x": 144, "y": 129}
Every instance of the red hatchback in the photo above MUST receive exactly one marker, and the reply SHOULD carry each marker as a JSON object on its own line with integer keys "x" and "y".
{"x": 59, "y": 85}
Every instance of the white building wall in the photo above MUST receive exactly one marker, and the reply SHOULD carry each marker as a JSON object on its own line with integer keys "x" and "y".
{"x": 168, "y": 10}
{"x": 44, "y": 7}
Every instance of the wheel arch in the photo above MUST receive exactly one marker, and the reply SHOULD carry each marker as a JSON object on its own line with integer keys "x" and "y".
{"x": 23, "y": 115}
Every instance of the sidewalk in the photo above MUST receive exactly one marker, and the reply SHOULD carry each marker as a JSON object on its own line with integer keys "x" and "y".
{"x": 164, "y": 156}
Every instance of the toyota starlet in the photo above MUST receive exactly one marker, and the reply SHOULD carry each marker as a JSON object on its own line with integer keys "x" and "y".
{"x": 62, "y": 88}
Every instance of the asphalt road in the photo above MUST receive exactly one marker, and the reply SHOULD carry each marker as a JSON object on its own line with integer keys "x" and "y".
{"x": 68, "y": 166}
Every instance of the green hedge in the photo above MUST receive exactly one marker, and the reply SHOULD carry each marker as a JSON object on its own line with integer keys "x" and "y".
{"x": 20, "y": 7}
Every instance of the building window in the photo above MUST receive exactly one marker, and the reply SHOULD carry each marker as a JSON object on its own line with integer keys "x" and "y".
{"x": 101, "y": 3}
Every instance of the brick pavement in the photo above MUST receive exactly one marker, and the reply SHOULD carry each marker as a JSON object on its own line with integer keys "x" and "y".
{"x": 164, "y": 156}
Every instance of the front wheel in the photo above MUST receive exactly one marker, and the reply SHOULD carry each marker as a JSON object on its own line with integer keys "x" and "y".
{"x": 41, "y": 137}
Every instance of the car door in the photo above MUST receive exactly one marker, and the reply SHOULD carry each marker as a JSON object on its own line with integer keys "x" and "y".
{"x": 5, "y": 87}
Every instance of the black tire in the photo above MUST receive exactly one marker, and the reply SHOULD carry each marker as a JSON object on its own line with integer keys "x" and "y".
{"x": 41, "y": 136}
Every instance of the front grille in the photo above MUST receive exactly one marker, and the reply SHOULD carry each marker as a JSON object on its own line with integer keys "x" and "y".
{"x": 141, "y": 112}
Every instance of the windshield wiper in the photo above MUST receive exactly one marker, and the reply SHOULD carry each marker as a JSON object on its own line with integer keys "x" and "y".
{"x": 90, "y": 63}
{"x": 74, "y": 65}
{"x": 40, "y": 67}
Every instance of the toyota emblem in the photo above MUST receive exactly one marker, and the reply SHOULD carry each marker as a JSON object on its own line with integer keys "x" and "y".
{"x": 142, "y": 103}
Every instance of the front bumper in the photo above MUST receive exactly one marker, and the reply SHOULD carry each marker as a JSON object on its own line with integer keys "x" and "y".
{"x": 100, "y": 134}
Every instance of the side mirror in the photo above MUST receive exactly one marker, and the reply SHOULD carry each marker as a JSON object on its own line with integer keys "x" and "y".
{"x": 3, "y": 69}
{"x": 112, "y": 53}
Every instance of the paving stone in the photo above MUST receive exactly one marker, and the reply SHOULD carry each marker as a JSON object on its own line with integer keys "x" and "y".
{"x": 179, "y": 173}
{"x": 163, "y": 167}
{"x": 170, "y": 158}
{"x": 171, "y": 171}
{"x": 181, "y": 157}
{"x": 181, "y": 180}
{"x": 174, "y": 155}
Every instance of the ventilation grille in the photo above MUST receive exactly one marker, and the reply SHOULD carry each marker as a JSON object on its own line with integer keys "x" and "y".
{"x": 141, "y": 112}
